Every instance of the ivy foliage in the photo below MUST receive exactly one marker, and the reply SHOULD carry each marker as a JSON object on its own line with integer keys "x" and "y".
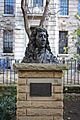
{"x": 74, "y": 39}
{"x": 8, "y": 103}
{"x": 78, "y": 32}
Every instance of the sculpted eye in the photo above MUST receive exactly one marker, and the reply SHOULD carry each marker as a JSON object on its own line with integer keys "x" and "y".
{"x": 45, "y": 36}
{"x": 40, "y": 35}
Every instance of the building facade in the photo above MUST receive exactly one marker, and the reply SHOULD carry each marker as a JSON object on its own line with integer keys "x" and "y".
{"x": 67, "y": 24}
{"x": 59, "y": 22}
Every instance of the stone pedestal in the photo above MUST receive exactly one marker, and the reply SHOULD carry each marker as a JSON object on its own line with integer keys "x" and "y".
{"x": 45, "y": 79}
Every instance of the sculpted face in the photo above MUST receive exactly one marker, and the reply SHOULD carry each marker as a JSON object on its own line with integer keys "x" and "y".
{"x": 38, "y": 50}
{"x": 41, "y": 39}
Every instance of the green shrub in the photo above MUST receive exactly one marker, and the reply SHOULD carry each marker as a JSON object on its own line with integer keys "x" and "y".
{"x": 71, "y": 89}
{"x": 8, "y": 103}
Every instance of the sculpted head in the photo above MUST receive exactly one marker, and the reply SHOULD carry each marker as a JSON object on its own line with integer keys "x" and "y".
{"x": 38, "y": 50}
{"x": 40, "y": 38}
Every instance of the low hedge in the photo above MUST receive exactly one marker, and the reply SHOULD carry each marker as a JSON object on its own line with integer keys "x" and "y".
{"x": 71, "y": 89}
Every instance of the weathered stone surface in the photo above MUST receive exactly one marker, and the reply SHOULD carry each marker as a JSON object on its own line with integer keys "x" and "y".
{"x": 21, "y": 96}
{"x": 57, "y": 74}
{"x": 46, "y": 112}
{"x": 57, "y": 89}
{"x": 40, "y": 80}
{"x": 39, "y": 98}
{"x": 40, "y": 67}
{"x": 22, "y": 81}
{"x": 40, "y": 104}
{"x": 22, "y": 89}
{"x": 54, "y": 97}
{"x": 58, "y": 97}
{"x": 21, "y": 112}
{"x": 35, "y": 118}
{"x": 35, "y": 74}
{"x": 57, "y": 82}
{"x": 58, "y": 117}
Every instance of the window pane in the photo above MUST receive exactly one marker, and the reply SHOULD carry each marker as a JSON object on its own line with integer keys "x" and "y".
{"x": 9, "y": 7}
{"x": 37, "y": 3}
{"x": 63, "y": 42}
{"x": 79, "y": 7}
{"x": 8, "y": 42}
{"x": 63, "y": 7}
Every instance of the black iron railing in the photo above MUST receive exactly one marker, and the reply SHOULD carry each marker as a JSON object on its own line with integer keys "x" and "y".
{"x": 72, "y": 75}
{"x": 8, "y": 75}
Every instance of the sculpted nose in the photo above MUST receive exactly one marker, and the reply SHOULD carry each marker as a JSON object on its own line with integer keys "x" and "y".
{"x": 43, "y": 37}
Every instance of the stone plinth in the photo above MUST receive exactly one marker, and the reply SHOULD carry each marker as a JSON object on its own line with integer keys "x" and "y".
{"x": 35, "y": 107}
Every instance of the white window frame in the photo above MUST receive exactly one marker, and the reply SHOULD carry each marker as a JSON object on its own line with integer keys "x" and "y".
{"x": 30, "y": 3}
{"x": 7, "y": 40}
{"x": 5, "y": 12}
{"x": 35, "y": 10}
{"x": 60, "y": 9}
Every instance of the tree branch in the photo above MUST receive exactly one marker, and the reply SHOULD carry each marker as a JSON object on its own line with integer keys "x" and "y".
{"x": 44, "y": 13}
{"x": 24, "y": 11}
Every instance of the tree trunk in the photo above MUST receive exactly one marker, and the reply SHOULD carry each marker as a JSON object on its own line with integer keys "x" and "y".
{"x": 24, "y": 7}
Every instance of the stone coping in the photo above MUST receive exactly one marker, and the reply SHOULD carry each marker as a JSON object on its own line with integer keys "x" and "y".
{"x": 40, "y": 67}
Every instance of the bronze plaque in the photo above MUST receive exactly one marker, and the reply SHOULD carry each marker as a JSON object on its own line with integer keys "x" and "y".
{"x": 40, "y": 89}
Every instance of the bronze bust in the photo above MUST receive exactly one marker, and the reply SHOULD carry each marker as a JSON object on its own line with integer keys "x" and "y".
{"x": 38, "y": 50}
